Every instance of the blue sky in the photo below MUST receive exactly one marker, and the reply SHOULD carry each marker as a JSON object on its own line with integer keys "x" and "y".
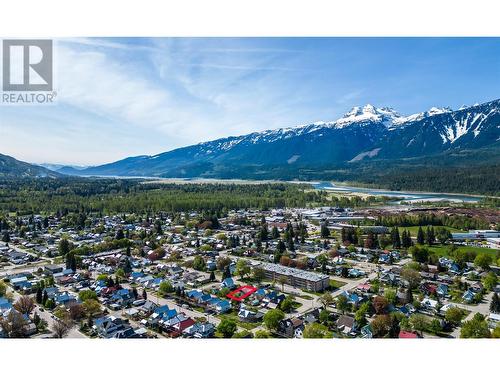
{"x": 122, "y": 97}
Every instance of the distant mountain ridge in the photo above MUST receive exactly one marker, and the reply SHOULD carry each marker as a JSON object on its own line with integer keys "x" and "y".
{"x": 362, "y": 134}
{"x": 13, "y": 168}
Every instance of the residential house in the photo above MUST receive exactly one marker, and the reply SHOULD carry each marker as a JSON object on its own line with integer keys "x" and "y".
{"x": 347, "y": 325}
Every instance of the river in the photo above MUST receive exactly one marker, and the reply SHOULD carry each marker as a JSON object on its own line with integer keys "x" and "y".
{"x": 405, "y": 196}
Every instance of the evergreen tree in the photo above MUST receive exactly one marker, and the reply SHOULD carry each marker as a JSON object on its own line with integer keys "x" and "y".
{"x": 227, "y": 273}
{"x": 420, "y": 236}
{"x": 263, "y": 233}
{"x": 6, "y": 236}
{"x": 39, "y": 295}
{"x": 325, "y": 232}
{"x": 495, "y": 304}
{"x": 64, "y": 247}
{"x": 396, "y": 239}
{"x": 119, "y": 234}
{"x": 71, "y": 261}
{"x": 343, "y": 235}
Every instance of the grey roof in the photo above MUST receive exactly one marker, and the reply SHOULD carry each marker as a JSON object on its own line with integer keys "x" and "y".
{"x": 288, "y": 271}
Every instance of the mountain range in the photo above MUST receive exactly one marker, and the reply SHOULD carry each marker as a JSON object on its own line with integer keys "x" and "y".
{"x": 363, "y": 135}
{"x": 13, "y": 168}
{"x": 436, "y": 150}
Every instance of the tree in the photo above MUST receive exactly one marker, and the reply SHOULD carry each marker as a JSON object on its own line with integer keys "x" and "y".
{"x": 76, "y": 312}
{"x": 85, "y": 295}
{"x": 396, "y": 239}
{"x": 14, "y": 324}
{"x": 475, "y": 328}
{"x": 223, "y": 262}
{"x": 92, "y": 307}
{"x": 45, "y": 297}
{"x": 418, "y": 322}
{"x": 6, "y": 236}
{"x": 71, "y": 261}
{"x": 325, "y": 232}
{"x": 411, "y": 276}
{"x": 381, "y": 325}
{"x": 242, "y": 268}
{"x": 227, "y": 327}
{"x": 495, "y": 303}
{"x": 429, "y": 236}
{"x": 39, "y": 295}
{"x": 287, "y": 304}
{"x": 227, "y": 273}
{"x": 406, "y": 241}
{"x": 342, "y": 303}
{"x": 316, "y": 331}
{"x": 420, "y": 236}
{"x": 490, "y": 280}
{"x": 380, "y": 304}
{"x": 258, "y": 274}
{"x": 496, "y": 332}
{"x": 165, "y": 288}
{"x": 324, "y": 316}
{"x": 50, "y": 304}
{"x": 443, "y": 235}
{"x": 120, "y": 274}
{"x": 274, "y": 233}
{"x": 420, "y": 254}
{"x": 244, "y": 334}
{"x": 283, "y": 280}
{"x": 119, "y": 235}
{"x": 199, "y": 263}
{"x": 212, "y": 276}
{"x": 157, "y": 227}
{"x": 3, "y": 288}
{"x": 61, "y": 328}
{"x": 25, "y": 305}
{"x": 360, "y": 315}
{"x": 326, "y": 299}
{"x": 262, "y": 334}
{"x": 272, "y": 318}
{"x": 483, "y": 261}
{"x": 144, "y": 294}
{"x": 64, "y": 247}
{"x": 454, "y": 315}
{"x": 390, "y": 295}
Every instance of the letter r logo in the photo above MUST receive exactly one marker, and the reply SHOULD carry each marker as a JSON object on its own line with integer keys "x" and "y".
{"x": 27, "y": 65}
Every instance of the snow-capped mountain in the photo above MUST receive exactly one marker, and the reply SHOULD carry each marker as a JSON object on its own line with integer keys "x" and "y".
{"x": 362, "y": 133}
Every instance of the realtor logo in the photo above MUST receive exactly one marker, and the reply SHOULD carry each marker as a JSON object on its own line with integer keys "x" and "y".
{"x": 27, "y": 65}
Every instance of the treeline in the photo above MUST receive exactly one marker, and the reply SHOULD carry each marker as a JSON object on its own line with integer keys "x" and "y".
{"x": 105, "y": 196}
{"x": 444, "y": 173}
{"x": 455, "y": 221}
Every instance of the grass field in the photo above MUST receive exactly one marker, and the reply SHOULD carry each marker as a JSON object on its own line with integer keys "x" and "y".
{"x": 335, "y": 284}
{"x": 414, "y": 230}
{"x": 443, "y": 250}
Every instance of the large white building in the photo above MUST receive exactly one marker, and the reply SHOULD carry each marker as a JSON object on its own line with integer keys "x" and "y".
{"x": 297, "y": 278}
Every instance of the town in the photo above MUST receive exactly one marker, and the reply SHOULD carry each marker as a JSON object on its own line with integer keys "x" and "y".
{"x": 315, "y": 272}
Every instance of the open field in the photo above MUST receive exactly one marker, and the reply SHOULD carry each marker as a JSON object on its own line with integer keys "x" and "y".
{"x": 414, "y": 230}
{"x": 443, "y": 250}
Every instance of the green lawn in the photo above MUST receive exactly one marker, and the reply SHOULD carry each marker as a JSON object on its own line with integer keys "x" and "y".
{"x": 335, "y": 284}
{"x": 443, "y": 250}
{"x": 234, "y": 315}
{"x": 414, "y": 230}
